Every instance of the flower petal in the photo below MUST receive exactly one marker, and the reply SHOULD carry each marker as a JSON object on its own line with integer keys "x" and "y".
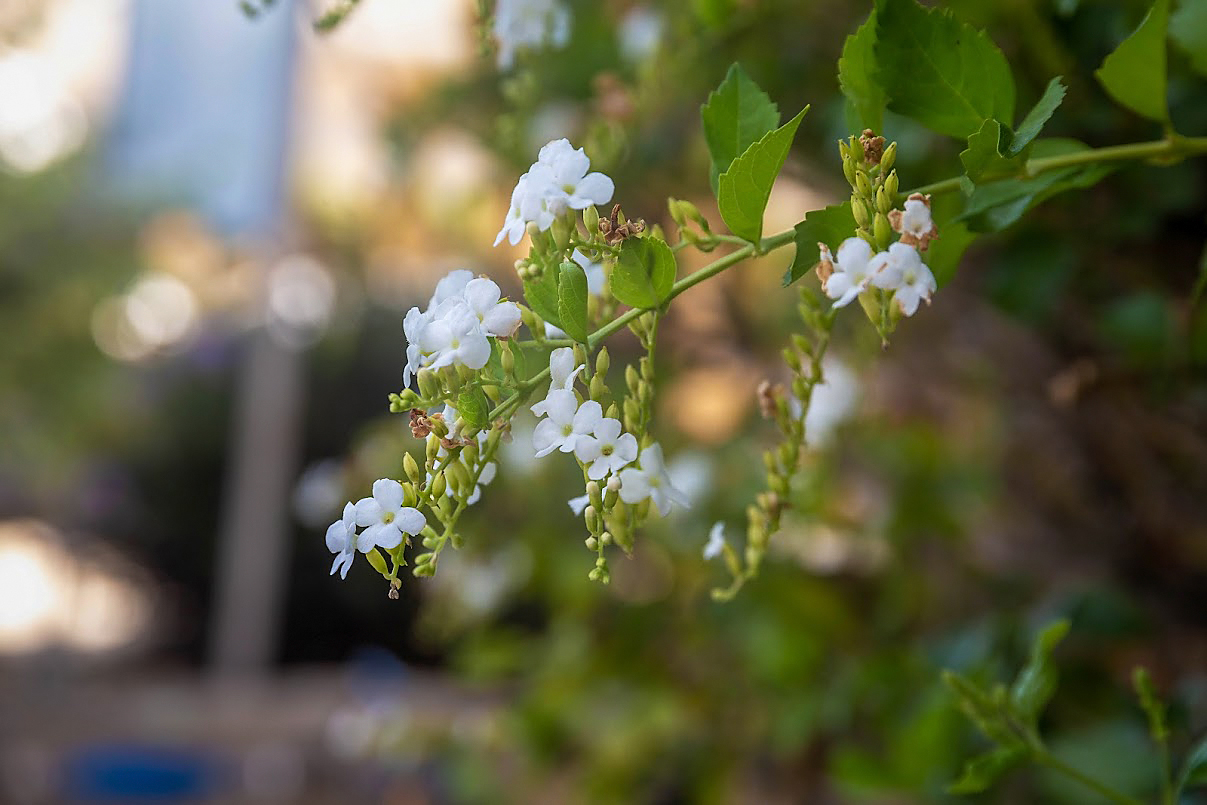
{"x": 546, "y": 437}
{"x": 410, "y": 520}
{"x": 388, "y": 493}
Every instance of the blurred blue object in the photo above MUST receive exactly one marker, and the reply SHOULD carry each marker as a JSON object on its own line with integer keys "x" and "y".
{"x": 204, "y": 114}
{"x": 140, "y": 774}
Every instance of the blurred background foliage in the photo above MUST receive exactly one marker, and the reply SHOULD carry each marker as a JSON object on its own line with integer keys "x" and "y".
{"x": 1031, "y": 446}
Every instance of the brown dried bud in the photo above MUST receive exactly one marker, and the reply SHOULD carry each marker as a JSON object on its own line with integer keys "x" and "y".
{"x": 825, "y": 264}
{"x": 614, "y": 231}
{"x": 873, "y": 146}
{"x": 768, "y": 394}
{"x": 421, "y": 425}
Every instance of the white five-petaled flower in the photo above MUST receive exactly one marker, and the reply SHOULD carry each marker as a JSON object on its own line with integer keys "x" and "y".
{"x": 455, "y": 338}
{"x": 341, "y": 541}
{"x": 915, "y": 283}
{"x": 529, "y": 204}
{"x": 650, "y": 482}
{"x": 716, "y": 541}
{"x": 496, "y": 318}
{"x": 914, "y": 222}
{"x": 558, "y": 181}
{"x": 562, "y": 372}
{"x": 521, "y": 24}
{"x": 606, "y": 450}
{"x": 565, "y": 424}
{"x": 384, "y": 519}
{"x": 850, "y": 276}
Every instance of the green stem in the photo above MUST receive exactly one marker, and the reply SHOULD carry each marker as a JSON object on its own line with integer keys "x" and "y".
{"x": 1046, "y": 758}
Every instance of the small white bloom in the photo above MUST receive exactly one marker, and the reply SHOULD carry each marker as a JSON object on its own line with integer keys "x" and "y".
{"x": 384, "y": 518}
{"x": 562, "y": 372}
{"x": 455, "y": 339}
{"x": 716, "y": 541}
{"x": 521, "y": 24}
{"x": 566, "y": 423}
{"x": 851, "y": 271}
{"x": 530, "y": 203}
{"x": 916, "y": 282}
{"x": 450, "y": 286}
{"x": 915, "y": 218}
{"x": 593, "y": 270}
{"x": 579, "y": 504}
{"x": 413, "y": 325}
{"x": 496, "y": 318}
{"x": 606, "y": 450}
{"x": 573, "y": 187}
{"x": 650, "y": 482}
{"x": 341, "y": 541}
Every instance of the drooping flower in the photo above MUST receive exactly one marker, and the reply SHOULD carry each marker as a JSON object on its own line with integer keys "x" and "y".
{"x": 606, "y": 450}
{"x": 566, "y": 422}
{"x": 716, "y": 541}
{"x": 341, "y": 541}
{"x": 522, "y": 24}
{"x": 384, "y": 519}
{"x": 562, "y": 372}
{"x": 650, "y": 482}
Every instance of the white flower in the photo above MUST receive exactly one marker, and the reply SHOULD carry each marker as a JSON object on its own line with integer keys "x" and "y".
{"x": 562, "y": 372}
{"x": 573, "y": 187}
{"x": 594, "y": 272}
{"x": 341, "y": 541}
{"x": 579, "y": 504}
{"x": 523, "y": 24}
{"x": 606, "y": 450}
{"x": 488, "y": 470}
{"x": 650, "y": 482}
{"x": 495, "y": 318}
{"x": 450, "y": 286}
{"x": 413, "y": 326}
{"x": 716, "y": 541}
{"x": 850, "y": 275}
{"x": 384, "y": 518}
{"x": 916, "y": 282}
{"x": 455, "y": 338}
{"x": 831, "y": 402}
{"x": 566, "y": 424}
{"x": 915, "y": 218}
{"x": 529, "y": 203}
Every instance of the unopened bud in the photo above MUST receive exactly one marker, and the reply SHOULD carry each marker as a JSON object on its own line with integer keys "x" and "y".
{"x": 603, "y": 362}
{"x": 792, "y": 358}
{"x": 591, "y": 219}
{"x": 593, "y": 494}
{"x": 429, "y": 385}
{"x": 439, "y": 485}
{"x": 882, "y": 231}
{"x": 598, "y": 387}
{"x": 506, "y": 358}
{"x": 672, "y": 206}
{"x": 890, "y": 182}
{"x": 859, "y": 211}
{"x": 844, "y": 151}
{"x": 884, "y": 201}
{"x": 592, "y": 543}
{"x": 888, "y": 158}
{"x": 591, "y": 518}
{"x": 613, "y": 412}
{"x": 862, "y": 185}
{"x": 632, "y": 379}
{"x": 411, "y": 468}
{"x": 802, "y": 344}
{"x": 426, "y": 570}
{"x": 848, "y": 170}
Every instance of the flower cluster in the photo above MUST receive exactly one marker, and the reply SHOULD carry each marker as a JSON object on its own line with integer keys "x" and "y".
{"x": 384, "y": 518}
{"x": 453, "y": 330}
{"x": 521, "y": 24}
{"x": 558, "y": 181}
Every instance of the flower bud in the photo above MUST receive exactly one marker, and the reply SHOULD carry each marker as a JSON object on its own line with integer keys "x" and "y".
{"x": 426, "y": 570}
{"x": 409, "y": 497}
{"x": 598, "y": 387}
{"x": 580, "y": 354}
{"x": 469, "y": 453}
{"x": 888, "y": 158}
{"x": 844, "y": 151}
{"x": 411, "y": 468}
{"x": 632, "y": 379}
{"x": 890, "y": 181}
{"x": 613, "y": 412}
{"x": 506, "y": 358}
{"x": 884, "y": 201}
{"x": 591, "y": 219}
{"x": 593, "y": 494}
{"x": 433, "y": 448}
{"x": 605, "y": 538}
{"x": 439, "y": 485}
{"x": 430, "y": 542}
{"x": 560, "y": 231}
{"x": 792, "y": 358}
{"x": 429, "y": 384}
{"x": 802, "y": 344}
{"x": 458, "y": 541}
{"x": 603, "y": 362}
{"x": 672, "y": 206}
{"x": 595, "y": 574}
{"x": 647, "y": 368}
{"x": 862, "y": 185}
{"x": 591, "y": 519}
{"x": 769, "y": 461}
{"x": 592, "y": 543}
{"x": 882, "y": 231}
{"x": 859, "y": 211}
{"x": 632, "y": 414}
{"x": 800, "y": 388}
{"x": 424, "y": 558}
{"x": 848, "y": 170}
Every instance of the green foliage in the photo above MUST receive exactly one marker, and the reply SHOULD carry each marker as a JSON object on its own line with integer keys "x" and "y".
{"x": 335, "y": 16}
{"x": 943, "y": 256}
{"x": 988, "y": 152}
{"x": 984, "y": 770}
{"x": 541, "y": 295}
{"x": 943, "y": 73}
{"x": 1036, "y": 682}
{"x": 1194, "y": 768}
{"x": 1135, "y": 73}
{"x": 831, "y": 226}
{"x": 737, "y": 115}
{"x": 1188, "y": 29}
{"x": 1039, "y": 115}
{"x": 473, "y": 407}
{"x": 644, "y": 273}
{"x": 857, "y": 77}
{"x": 572, "y": 301}
{"x": 743, "y": 190}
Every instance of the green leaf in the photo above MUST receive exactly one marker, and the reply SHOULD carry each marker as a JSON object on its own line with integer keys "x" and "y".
{"x": 944, "y": 74}
{"x": 1151, "y": 704}
{"x": 1194, "y": 768}
{"x": 736, "y": 115}
{"x": 541, "y": 296}
{"x": 984, "y": 770}
{"x": 981, "y": 709}
{"x": 943, "y": 256}
{"x": 1036, "y": 682}
{"x": 473, "y": 407}
{"x": 743, "y": 190}
{"x": 1135, "y": 74}
{"x": 1034, "y": 122}
{"x": 986, "y": 152}
{"x": 572, "y": 301}
{"x": 830, "y": 226}
{"x": 1188, "y": 30}
{"x": 857, "y": 76}
{"x": 644, "y": 273}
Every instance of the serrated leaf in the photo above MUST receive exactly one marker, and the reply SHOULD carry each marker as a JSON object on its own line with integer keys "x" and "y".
{"x": 473, "y": 407}
{"x": 1034, "y": 122}
{"x": 1135, "y": 73}
{"x": 572, "y": 301}
{"x": 831, "y": 226}
{"x": 644, "y": 272}
{"x": 984, "y": 770}
{"x": 1194, "y": 768}
{"x": 944, "y": 74}
{"x": 1188, "y": 30}
{"x": 857, "y": 76}
{"x": 541, "y": 296}
{"x": 1036, "y": 682}
{"x": 986, "y": 152}
{"x": 736, "y": 115}
{"x": 743, "y": 190}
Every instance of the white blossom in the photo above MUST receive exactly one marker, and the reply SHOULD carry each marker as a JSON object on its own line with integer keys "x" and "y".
{"x": 500, "y": 319}
{"x": 341, "y": 541}
{"x": 915, "y": 280}
{"x": 530, "y": 203}
{"x": 562, "y": 372}
{"x": 716, "y": 541}
{"x": 384, "y": 519}
{"x": 558, "y": 181}
{"x": 651, "y": 482}
{"x": 565, "y": 424}
{"x": 578, "y": 505}
{"x": 915, "y": 218}
{"x": 450, "y": 286}
{"x": 455, "y": 339}
{"x": 593, "y": 270}
{"x": 521, "y": 24}
{"x": 606, "y": 450}
{"x": 850, "y": 275}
